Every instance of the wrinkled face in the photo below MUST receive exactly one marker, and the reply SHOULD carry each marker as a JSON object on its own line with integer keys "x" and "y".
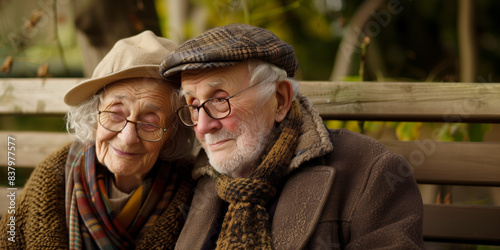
{"x": 124, "y": 153}
{"x": 233, "y": 144}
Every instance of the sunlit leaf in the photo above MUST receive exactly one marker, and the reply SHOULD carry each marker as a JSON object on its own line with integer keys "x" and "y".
{"x": 334, "y": 124}
{"x": 444, "y": 133}
{"x": 373, "y": 126}
{"x": 352, "y": 78}
{"x": 408, "y": 131}
{"x": 353, "y": 126}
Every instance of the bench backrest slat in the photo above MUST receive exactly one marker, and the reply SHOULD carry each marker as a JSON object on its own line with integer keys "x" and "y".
{"x": 32, "y": 147}
{"x": 451, "y": 163}
{"x": 397, "y": 101}
{"x": 34, "y": 96}
{"x": 463, "y": 223}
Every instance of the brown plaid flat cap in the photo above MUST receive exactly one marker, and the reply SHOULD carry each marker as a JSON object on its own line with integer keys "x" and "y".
{"x": 229, "y": 45}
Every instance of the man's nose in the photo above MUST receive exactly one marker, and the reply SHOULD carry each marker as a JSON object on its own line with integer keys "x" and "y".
{"x": 206, "y": 124}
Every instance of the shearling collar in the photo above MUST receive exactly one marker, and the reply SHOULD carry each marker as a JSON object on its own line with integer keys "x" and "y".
{"x": 314, "y": 140}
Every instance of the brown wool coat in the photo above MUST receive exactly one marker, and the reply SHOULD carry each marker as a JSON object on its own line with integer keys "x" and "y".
{"x": 344, "y": 191}
{"x": 41, "y": 217}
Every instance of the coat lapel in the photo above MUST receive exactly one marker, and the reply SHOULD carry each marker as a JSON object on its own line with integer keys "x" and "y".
{"x": 300, "y": 206}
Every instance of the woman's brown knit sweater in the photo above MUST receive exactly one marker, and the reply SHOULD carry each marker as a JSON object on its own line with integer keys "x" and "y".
{"x": 40, "y": 217}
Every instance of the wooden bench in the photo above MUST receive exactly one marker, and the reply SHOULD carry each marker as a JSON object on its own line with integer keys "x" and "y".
{"x": 432, "y": 162}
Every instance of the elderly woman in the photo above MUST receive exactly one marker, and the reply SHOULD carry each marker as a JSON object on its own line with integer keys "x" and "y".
{"x": 125, "y": 181}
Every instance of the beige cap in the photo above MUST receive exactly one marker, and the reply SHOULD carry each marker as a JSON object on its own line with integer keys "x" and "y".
{"x": 132, "y": 57}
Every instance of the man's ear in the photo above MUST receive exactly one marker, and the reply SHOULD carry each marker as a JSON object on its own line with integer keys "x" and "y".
{"x": 284, "y": 98}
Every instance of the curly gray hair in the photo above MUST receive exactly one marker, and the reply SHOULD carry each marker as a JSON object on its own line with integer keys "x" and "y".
{"x": 81, "y": 123}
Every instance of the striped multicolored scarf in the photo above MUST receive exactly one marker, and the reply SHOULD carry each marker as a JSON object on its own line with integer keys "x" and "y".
{"x": 246, "y": 223}
{"x": 92, "y": 223}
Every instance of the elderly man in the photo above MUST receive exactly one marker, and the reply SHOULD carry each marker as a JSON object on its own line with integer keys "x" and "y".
{"x": 277, "y": 177}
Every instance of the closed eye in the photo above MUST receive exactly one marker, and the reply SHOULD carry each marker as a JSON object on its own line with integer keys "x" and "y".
{"x": 147, "y": 126}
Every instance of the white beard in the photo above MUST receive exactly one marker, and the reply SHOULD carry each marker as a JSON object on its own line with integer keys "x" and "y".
{"x": 250, "y": 138}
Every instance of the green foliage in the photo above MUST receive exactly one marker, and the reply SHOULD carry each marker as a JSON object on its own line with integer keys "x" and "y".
{"x": 356, "y": 126}
{"x": 463, "y": 132}
{"x": 355, "y": 78}
{"x": 478, "y": 131}
{"x": 301, "y": 23}
{"x": 408, "y": 131}
{"x": 38, "y": 32}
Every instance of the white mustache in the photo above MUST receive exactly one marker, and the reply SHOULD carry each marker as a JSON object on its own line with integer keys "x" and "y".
{"x": 221, "y": 135}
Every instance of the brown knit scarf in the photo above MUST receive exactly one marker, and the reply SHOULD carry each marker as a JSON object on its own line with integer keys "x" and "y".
{"x": 246, "y": 224}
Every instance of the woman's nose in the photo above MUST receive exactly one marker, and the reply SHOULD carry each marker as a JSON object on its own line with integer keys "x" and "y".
{"x": 129, "y": 134}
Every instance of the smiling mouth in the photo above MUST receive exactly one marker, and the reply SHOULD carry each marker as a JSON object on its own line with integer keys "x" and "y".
{"x": 218, "y": 144}
{"x": 121, "y": 153}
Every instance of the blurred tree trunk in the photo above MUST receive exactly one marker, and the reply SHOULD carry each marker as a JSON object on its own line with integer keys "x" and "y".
{"x": 466, "y": 41}
{"x": 351, "y": 41}
{"x": 185, "y": 19}
{"x": 177, "y": 10}
{"x": 100, "y": 24}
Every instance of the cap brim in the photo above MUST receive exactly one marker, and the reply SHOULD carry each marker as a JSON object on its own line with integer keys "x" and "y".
{"x": 173, "y": 75}
{"x": 88, "y": 88}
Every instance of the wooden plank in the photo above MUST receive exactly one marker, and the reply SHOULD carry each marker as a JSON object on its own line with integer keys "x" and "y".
{"x": 398, "y": 101}
{"x": 462, "y": 223}
{"x": 32, "y": 147}
{"x": 409, "y": 101}
{"x": 459, "y": 163}
{"x": 34, "y": 95}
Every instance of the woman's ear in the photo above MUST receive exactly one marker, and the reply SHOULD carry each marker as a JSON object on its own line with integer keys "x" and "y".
{"x": 284, "y": 98}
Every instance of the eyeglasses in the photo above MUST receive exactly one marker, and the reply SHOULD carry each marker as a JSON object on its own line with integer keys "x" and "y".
{"x": 216, "y": 108}
{"x": 115, "y": 122}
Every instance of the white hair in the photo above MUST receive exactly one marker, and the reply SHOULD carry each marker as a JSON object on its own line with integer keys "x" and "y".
{"x": 81, "y": 123}
{"x": 266, "y": 74}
